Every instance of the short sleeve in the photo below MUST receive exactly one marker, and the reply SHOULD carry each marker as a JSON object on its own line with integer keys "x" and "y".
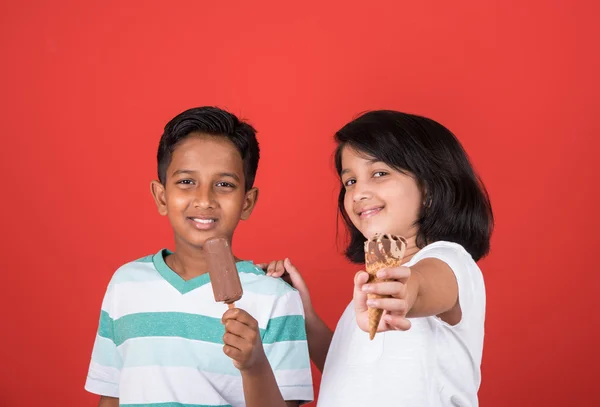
{"x": 286, "y": 347}
{"x": 106, "y": 363}
{"x": 471, "y": 290}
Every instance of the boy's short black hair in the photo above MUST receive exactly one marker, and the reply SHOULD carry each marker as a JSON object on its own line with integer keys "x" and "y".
{"x": 456, "y": 204}
{"x": 213, "y": 121}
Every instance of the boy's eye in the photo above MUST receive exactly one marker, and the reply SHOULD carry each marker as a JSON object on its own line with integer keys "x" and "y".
{"x": 225, "y": 184}
{"x": 380, "y": 174}
{"x": 185, "y": 182}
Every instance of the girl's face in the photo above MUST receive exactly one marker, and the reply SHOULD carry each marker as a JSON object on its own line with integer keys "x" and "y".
{"x": 379, "y": 199}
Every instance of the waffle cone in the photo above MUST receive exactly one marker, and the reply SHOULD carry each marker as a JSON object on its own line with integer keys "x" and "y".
{"x": 385, "y": 259}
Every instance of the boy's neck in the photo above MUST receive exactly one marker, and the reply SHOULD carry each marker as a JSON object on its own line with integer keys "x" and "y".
{"x": 188, "y": 261}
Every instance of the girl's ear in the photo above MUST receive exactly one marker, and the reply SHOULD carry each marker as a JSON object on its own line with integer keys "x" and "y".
{"x": 425, "y": 194}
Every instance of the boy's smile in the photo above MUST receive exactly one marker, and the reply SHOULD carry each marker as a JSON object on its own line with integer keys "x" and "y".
{"x": 204, "y": 193}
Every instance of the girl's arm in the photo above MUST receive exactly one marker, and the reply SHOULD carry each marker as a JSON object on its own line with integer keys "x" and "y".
{"x": 319, "y": 338}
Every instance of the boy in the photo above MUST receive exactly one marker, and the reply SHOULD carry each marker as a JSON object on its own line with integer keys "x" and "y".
{"x": 162, "y": 339}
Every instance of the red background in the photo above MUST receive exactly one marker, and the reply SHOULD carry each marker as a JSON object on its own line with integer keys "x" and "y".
{"x": 88, "y": 86}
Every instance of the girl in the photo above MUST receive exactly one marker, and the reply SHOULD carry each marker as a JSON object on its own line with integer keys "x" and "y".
{"x": 409, "y": 176}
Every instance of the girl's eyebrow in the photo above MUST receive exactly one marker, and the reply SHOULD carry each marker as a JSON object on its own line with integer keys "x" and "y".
{"x": 374, "y": 161}
{"x": 370, "y": 161}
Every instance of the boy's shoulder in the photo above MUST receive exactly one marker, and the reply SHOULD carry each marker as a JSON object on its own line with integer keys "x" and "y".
{"x": 139, "y": 270}
{"x": 255, "y": 280}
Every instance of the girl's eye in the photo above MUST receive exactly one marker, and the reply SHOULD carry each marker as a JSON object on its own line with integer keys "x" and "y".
{"x": 225, "y": 184}
{"x": 379, "y": 174}
{"x": 349, "y": 182}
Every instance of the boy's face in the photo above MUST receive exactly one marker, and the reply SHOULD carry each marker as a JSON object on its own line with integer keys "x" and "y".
{"x": 204, "y": 194}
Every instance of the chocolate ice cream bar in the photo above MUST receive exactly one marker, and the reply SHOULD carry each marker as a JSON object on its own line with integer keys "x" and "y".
{"x": 223, "y": 273}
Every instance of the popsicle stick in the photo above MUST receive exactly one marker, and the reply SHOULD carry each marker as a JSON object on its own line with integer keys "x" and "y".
{"x": 231, "y": 305}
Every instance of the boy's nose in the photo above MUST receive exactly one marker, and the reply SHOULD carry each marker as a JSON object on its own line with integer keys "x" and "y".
{"x": 204, "y": 198}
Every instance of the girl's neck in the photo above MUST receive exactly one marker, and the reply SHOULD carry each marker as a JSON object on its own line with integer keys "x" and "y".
{"x": 411, "y": 248}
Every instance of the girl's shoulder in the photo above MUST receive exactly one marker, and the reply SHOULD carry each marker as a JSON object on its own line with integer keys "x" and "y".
{"x": 443, "y": 249}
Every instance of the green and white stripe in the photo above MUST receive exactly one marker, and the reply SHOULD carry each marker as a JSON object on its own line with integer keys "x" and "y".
{"x": 160, "y": 338}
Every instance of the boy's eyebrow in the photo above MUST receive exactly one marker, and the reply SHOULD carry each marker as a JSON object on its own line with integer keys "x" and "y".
{"x": 182, "y": 172}
{"x": 230, "y": 175}
{"x": 221, "y": 174}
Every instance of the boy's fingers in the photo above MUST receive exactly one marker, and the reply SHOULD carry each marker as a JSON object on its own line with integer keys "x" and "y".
{"x": 233, "y": 340}
{"x": 242, "y": 331}
{"x": 241, "y": 316}
{"x": 235, "y": 327}
{"x": 233, "y": 353}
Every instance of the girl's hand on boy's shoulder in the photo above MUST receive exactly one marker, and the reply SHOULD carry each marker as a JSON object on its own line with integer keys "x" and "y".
{"x": 285, "y": 270}
{"x": 397, "y": 304}
{"x": 242, "y": 341}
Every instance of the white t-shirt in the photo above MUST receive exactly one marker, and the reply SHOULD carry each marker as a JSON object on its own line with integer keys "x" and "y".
{"x": 432, "y": 364}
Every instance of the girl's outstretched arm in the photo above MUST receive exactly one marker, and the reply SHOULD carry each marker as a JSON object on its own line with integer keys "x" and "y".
{"x": 426, "y": 289}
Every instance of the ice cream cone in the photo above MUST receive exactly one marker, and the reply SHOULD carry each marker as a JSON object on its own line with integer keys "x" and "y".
{"x": 381, "y": 251}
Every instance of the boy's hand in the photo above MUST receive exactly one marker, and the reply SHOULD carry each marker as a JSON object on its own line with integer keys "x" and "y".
{"x": 395, "y": 308}
{"x": 242, "y": 340}
{"x": 285, "y": 270}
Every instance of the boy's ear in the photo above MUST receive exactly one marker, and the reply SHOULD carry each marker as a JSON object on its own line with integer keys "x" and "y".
{"x": 249, "y": 203}
{"x": 158, "y": 192}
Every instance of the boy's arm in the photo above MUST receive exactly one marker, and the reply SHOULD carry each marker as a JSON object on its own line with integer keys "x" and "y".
{"x": 106, "y": 364}
{"x": 108, "y": 402}
{"x": 260, "y": 388}
{"x": 243, "y": 344}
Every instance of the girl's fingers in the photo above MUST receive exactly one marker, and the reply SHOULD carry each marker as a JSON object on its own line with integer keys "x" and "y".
{"x": 394, "y": 305}
{"x": 394, "y": 288}
{"x": 397, "y": 322}
{"x": 395, "y": 273}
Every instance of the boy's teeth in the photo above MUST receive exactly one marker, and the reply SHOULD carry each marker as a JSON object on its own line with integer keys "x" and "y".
{"x": 204, "y": 220}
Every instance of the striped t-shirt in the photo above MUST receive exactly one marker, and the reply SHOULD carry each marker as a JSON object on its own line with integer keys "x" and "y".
{"x": 160, "y": 338}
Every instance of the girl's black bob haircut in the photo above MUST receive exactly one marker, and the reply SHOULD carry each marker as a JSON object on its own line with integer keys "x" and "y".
{"x": 456, "y": 204}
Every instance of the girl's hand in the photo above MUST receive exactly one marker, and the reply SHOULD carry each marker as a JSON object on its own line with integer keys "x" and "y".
{"x": 285, "y": 270}
{"x": 242, "y": 340}
{"x": 395, "y": 308}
